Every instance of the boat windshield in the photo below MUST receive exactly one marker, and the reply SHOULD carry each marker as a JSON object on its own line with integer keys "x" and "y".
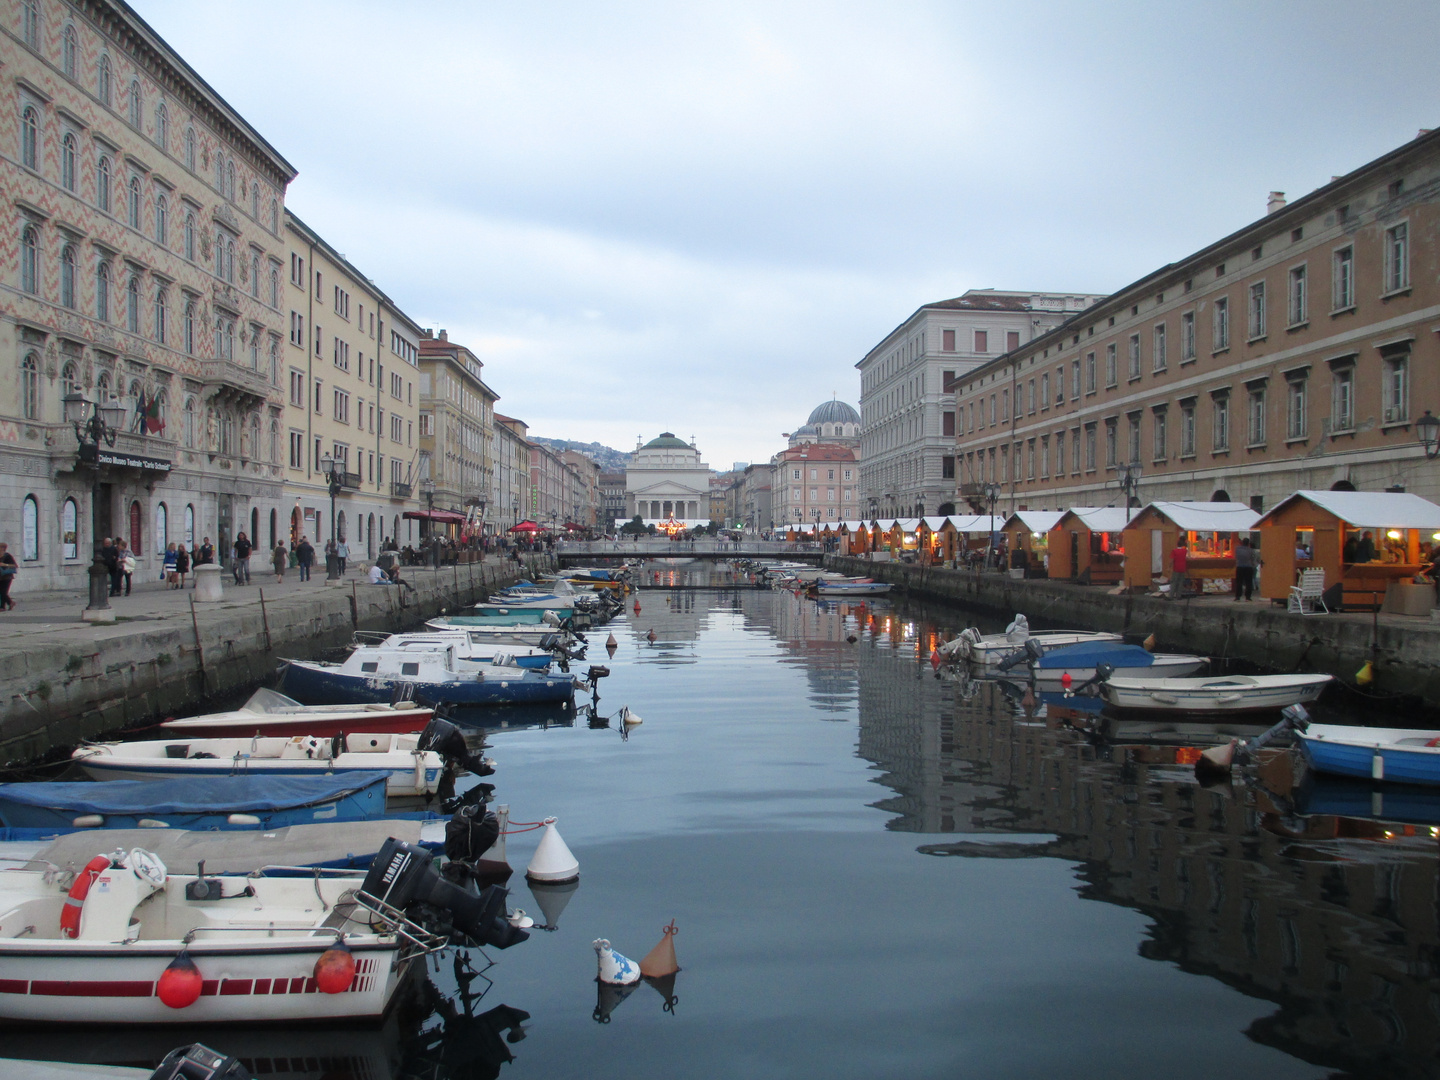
{"x": 270, "y": 701}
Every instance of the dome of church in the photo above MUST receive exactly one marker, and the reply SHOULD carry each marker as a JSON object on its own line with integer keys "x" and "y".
{"x": 833, "y": 412}
{"x": 666, "y": 441}
{"x": 806, "y": 429}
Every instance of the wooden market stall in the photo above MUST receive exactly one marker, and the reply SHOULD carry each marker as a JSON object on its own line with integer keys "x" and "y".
{"x": 937, "y": 540}
{"x": 975, "y": 533}
{"x": 1086, "y": 545}
{"x": 1027, "y": 535}
{"x": 1210, "y": 531}
{"x": 854, "y": 538}
{"x": 903, "y": 537}
{"x": 1333, "y": 528}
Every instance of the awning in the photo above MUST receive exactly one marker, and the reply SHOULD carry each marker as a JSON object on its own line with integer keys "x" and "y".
{"x": 1101, "y": 519}
{"x": 443, "y": 517}
{"x": 1036, "y": 521}
{"x": 525, "y": 526}
{"x": 1217, "y": 517}
{"x": 1371, "y": 509}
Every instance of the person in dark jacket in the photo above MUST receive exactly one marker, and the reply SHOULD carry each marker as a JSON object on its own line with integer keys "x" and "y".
{"x": 182, "y": 565}
{"x": 242, "y": 559}
{"x": 305, "y": 557}
{"x": 111, "y": 558}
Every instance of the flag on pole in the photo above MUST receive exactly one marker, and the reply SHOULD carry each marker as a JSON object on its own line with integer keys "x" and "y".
{"x": 154, "y": 422}
{"x": 138, "y": 424}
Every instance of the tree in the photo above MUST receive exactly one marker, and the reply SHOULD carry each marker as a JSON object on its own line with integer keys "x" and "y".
{"x": 635, "y": 525}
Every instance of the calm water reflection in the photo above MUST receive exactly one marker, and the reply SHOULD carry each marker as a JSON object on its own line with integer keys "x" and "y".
{"x": 876, "y": 872}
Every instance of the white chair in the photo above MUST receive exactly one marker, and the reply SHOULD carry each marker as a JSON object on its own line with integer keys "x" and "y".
{"x": 1310, "y": 592}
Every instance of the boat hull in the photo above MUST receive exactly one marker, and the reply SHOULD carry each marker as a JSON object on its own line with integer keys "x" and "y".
{"x": 1396, "y": 755}
{"x": 310, "y": 682}
{"x": 1147, "y": 693}
{"x": 324, "y": 724}
{"x": 879, "y": 588}
{"x": 1163, "y": 668}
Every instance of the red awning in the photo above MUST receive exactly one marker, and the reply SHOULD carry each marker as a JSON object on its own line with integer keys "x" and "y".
{"x": 525, "y": 526}
{"x": 444, "y": 517}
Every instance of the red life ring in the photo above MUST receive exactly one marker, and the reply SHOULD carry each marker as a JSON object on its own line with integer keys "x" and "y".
{"x": 75, "y": 901}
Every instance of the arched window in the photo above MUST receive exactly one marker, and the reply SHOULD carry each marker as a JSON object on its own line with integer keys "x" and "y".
{"x": 255, "y": 437}
{"x": 227, "y": 432}
{"x": 255, "y": 274}
{"x": 220, "y": 172}
{"x": 135, "y": 103}
{"x": 30, "y": 259}
{"x": 255, "y": 211}
{"x": 30, "y": 386}
{"x": 274, "y": 286}
{"x": 219, "y": 254}
{"x": 162, "y": 311}
{"x": 31, "y": 23}
{"x": 70, "y": 377}
{"x": 190, "y": 327}
{"x": 275, "y": 364}
{"x": 137, "y": 517}
{"x": 102, "y": 183}
{"x": 162, "y": 127}
{"x": 230, "y": 180}
{"x": 254, "y": 347}
{"x": 162, "y": 220}
{"x": 67, "y": 276}
{"x": 104, "y": 83}
{"x": 102, "y": 291}
{"x": 30, "y": 529}
{"x": 188, "y": 430}
{"x": 160, "y": 413}
{"x": 189, "y": 525}
{"x": 69, "y": 539}
{"x": 190, "y": 235}
{"x": 230, "y": 261}
{"x": 274, "y": 215}
{"x": 30, "y": 137}
{"x": 162, "y": 527}
{"x": 190, "y": 148}
{"x": 225, "y": 338}
{"x": 132, "y": 304}
{"x": 274, "y": 454}
{"x": 70, "y": 51}
{"x": 67, "y": 161}
{"x": 102, "y": 388}
{"x": 133, "y": 203}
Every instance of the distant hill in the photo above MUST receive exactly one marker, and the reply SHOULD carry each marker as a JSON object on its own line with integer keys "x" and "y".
{"x": 609, "y": 459}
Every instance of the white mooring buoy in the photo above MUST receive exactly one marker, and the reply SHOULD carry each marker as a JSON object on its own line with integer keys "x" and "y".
{"x": 615, "y": 969}
{"x": 552, "y": 863}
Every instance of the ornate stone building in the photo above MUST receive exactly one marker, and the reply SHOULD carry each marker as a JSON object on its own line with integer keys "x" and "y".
{"x": 666, "y": 479}
{"x": 142, "y": 257}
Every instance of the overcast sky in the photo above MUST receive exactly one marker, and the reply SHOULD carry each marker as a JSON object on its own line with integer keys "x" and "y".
{"x": 697, "y": 217}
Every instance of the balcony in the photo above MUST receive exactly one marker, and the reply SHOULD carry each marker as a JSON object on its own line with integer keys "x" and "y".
{"x": 350, "y": 481}
{"x": 237, "y": 385}
{"x": 400, "y": 490}
{"x": 148, "y": 453}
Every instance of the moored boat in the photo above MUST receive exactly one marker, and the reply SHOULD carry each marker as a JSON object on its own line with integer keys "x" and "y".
{"x": 826, "y": 589}
{"x": 989, "y": 649}
{"x": 1398, "y": 755}
{"x": 1081, "y": 662}
{"x": 269, "y": 712}
{"x": 1216, "y": 694}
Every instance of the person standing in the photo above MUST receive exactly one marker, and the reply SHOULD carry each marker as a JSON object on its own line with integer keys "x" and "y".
{"x": 206, "y": 554}
{"x": 279, "y": 558}
{"x": 1365, "y": 551}
{"x": 1179, "y": 563}
{"x": 171, "y": 555}
{"x": 8, "y": 569}
{"x": 342, "y": 552}
{"x": 182, "y": 565}
{"x": 126, "y": 560}
{"x": 242, "y": 559}
{"x": 305, "y": 557}
{"x": 111, "y": 561}
{"x": 1244, "y": 570}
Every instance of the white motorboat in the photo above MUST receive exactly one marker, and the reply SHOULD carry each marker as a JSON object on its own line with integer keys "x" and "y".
{"x": 411, "y": 770}
{"x": 1074, "y": 664}
{"x": 1218, "y": 694}
{"x": 126, "y": 942}
{"x": 989, "y": 649}
{"x": 269, "y": 712}
{"x": 470, "y": 651}
{"x": 825, "y": 589}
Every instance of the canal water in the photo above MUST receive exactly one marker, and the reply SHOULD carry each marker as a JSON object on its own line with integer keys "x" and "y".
{"x": 878, "y": 872}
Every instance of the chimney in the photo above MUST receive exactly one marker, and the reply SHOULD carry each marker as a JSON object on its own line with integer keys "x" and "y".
{"x": 445, "y": 335}
{"x": 1276, "y": 201}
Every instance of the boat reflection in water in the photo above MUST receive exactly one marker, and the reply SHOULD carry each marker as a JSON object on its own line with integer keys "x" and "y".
{"x": 1333, "y": 920}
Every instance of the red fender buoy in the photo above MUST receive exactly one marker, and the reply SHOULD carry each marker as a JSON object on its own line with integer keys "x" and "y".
{"x": 1066, "y": 680}
{"x": 75, "y": 900}
{"x": 180, "y": 983}
{"x": 935, "y": 660}
{"x": 637, "y": 605}
{"x": 335, "y": 969}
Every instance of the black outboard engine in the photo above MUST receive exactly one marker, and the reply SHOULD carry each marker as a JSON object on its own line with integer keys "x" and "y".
{"x": 448, "y": 741}
{"x": 1028, "y": 653}
{"x": 404, "y": 876}
{"x": 471, "y": 831}
{"x": 593, "y": 675}
{"x": 198, "y": 1062}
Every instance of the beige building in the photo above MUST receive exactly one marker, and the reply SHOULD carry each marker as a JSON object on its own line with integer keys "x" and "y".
{"x": 1295, "y": 353}
{"x": 350, "y": 376}
{"x": 512, "y": 472}
{"x": 815, "y": 482}
{"x": 142, "y": 262}
{"x": 457, "y": 426}
{"x": 585, "y": 494}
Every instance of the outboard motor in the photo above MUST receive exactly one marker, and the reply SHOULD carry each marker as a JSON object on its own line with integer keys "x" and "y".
{"x": 447, "y": 740}
{"x": 404, "y": 876}
{"x": 471, "y": 832}
{"x": 593, "y": 675}
{"x": 1103, "y": 671}
{"x": 198, "y": 1062}
{"x": 1027, "y": 654}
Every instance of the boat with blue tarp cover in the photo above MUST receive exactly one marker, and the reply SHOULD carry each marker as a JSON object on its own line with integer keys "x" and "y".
{"x": 1080, "y": 662}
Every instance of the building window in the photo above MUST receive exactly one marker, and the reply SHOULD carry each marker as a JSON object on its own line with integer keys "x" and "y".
{"x": 30, "y": 259}
{"x": 297, "y": 388}
{"x": 1134, "y": 356}
{"x": 982, "y": 341}
{"x": 132, "y": 203}
{"x": 225, "y": 338}
{"x": 1187, "y": 429}
{"x": 274, "y": 215}
{"x": 1160, "y": 359}
{"x": 1342, "y": 283}
{"x": 220, "y": 172}
{"x": 1112, "y": 365}
{"x": 30, "y": 386}
{"x": 135, "y": 103}
{"x": 190, "y": 148}
{"x": 274, "y": 286}
{"x": 1160, "y": 433}
{"x": 1255, "y": 417}
{"x": 297, "y": 449}
{"x": 947, "y": 423}
{"x": 1222, "y": 323}
{"x": 102, "y": 292}
{"x": 69, "y": 532}
{"x": 1295, "y": 410}
{"x": 1397, "y": 257}
{"x": 230, "y": 180}
{"x": 255, "y": 274}
{"x": 30, "y": 529}
{"x": 162, "y": 310}
{"x": 1297, "y": 305}
{"x": 67, "y": 161}
{"x": 1187, "y": 337}
{"x": 230, "y": 261}
{"x": 162, "y": 221}
{"x": 1089, "y": 447}
{"x": 1342, "y": 398}
{"x": 31, "y": 23}
{"x": 132, "y": 304}
{"x": 190, "y": 235}
{"x": 1397, "y": 388}
{"x": 102, "y": 183}
{"x": 1060, "y": 386}
{"x": 67, "y": 276}
{"x": 189, "y": 329}
{"x": 1220, "y": 404}
{"x": 162, "y": 127}
{"x": 1012, "y": 340}
{"x": 947, "y": 340}
{"x": 1074, "y": 380}
{"x": 30, "y": 137}
{"x": 70, "y": 52}
{"x": 1257, "y": 311}
{"x": 1030, "y": 397}
{"x": 1090, "y": 373}
{"x": 188, "y": 422}
{"x": 1134, "y": 433}
{"x": 1112, "y": 440}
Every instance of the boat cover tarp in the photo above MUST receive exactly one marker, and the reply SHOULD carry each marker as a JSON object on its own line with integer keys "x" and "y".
{"x": 1372, "y": 509}
{"x": 233, "y": 852}
{"x": 192, "y": 795}
{"x": 1090, "y": 653}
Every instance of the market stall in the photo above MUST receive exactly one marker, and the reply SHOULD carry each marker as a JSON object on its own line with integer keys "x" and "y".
{"x": 937, "y": 540}
{"x": 1210, "y": 531}
{"x": 1085, "y": 545}
{"x": 1027, "y": 535}
{"x": 1372, "y": 544}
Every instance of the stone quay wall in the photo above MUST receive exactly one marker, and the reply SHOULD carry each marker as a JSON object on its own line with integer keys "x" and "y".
{"x": 64, "y": 684}
{"x": 1405, "y": 649}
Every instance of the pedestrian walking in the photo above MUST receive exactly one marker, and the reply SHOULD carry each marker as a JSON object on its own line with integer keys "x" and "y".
{"x": 168, "y": 569}
{"x": 182, "y": 565}
{"x": 342, "y": 552}
{"x": 280, "y": 558}
{"x": 241, "y": 552}
{"x": 111, "y": 561}
{"x": 1244, "y": 570}
{"x": 1179, "y": 564}
{"x": 125, "y": 558}
{"x": 305, "y": 557}
{"x": 8, "y": 569}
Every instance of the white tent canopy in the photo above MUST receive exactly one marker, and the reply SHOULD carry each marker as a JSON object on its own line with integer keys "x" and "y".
{"x": 1372, "y": 509}
{"x": 978, "y": 523}
{"x": 1101, "y": 519}
{"x": 1036, "y": 521}
{"x": 1207, "y": 517}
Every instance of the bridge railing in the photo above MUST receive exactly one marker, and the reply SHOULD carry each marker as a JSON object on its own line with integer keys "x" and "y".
{"x": 657, "y": 547}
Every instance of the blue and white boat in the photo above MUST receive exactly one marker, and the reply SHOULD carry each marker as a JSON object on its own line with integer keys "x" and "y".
{"x": 1126, "y": 661}
{"x": 1398, "y": 755}
{"x": 195, "y": 802}
{"x": 825, "y": 589}
{"x": 471, "y": 650}
{"x": 435, "y": 676}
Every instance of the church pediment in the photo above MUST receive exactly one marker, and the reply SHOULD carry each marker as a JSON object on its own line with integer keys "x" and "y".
{"x": 667, "y": 488}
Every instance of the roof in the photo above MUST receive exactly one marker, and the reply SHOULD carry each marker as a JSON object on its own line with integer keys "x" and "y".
{"x": 1371, "y": 509}
{"x": 1106, "y": 519}
{"x": 1037, "y": 521}
{"x": 833, "y": 412}
{"x": 667, "y": 441}
{"x": 1205, "y": 516}
{"x": 816, "y": 452}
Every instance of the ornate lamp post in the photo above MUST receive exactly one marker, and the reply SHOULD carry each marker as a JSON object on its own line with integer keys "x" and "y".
{"x": 1128, "y": 477}
{"x": 428, "y": 487}
{"x": 95, "y": 424}
{"x": 992, "y": 495}
{"x": 334, "y": 480}
{"x": 1427, "y": 430}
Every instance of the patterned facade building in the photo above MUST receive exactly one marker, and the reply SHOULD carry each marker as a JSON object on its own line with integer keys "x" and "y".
{"x": 142, "y": 259}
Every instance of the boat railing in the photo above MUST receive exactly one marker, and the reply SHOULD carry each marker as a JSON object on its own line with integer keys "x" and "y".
{"x": 370, "y": 637}
{"x": 400, "y": 924}
{"x": 268, "y": 929}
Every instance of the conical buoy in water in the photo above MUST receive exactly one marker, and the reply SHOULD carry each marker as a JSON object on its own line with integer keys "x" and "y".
{"x": 935, "y": 658}
{"x": 650, "y": 637}
{"x": 1217, "y": 759}
{"x": 852, "y": 639}
{"x": 608, "y": 998}
{"x": 1366, "y": 675}
{"x": 611, "y": 645}
{"x": 628, "y": 718}
{"x": 180, "y": 983}
{"x": 615, "y": 969}
{"x": 552, "y": 862}
{"x": 1027, "y": 699}
{"x": 660, "y": 960}
{"x": 1149, "y": 643}
{"x": 665, "y": 986}
{"x": 637, "y": 605}
{"x": 552, "y": 900}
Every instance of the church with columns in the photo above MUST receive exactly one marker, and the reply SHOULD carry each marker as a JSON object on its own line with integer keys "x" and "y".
{"x": 667, "y": 480}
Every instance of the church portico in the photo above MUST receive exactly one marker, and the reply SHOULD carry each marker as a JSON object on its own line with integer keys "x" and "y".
{"x": 666, "y": 479}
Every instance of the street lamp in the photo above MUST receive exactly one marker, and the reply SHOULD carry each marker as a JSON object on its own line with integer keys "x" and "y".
{"x": 334, "y": 480}
{"x": 428, "y": 487}
{"x": 95, "y": 424}
{"x": 1128, "y": 477}
{"x": 992, "y": 495}
{"x": 1427, "y": 430}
